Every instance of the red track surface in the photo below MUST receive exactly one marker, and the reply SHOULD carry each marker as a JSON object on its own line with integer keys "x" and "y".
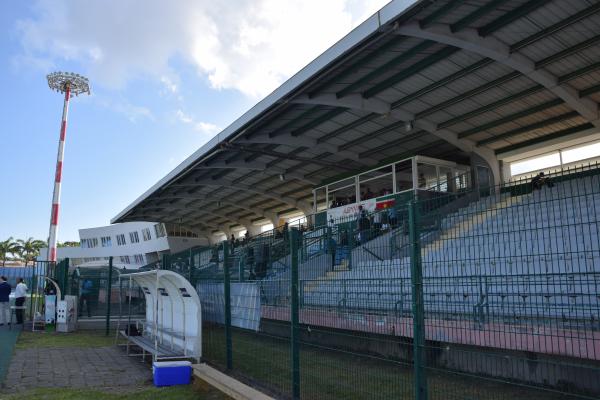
{"x": 534, "y": 338}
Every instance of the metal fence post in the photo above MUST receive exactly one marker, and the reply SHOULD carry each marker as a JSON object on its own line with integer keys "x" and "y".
{"x": 295, "y": 317}
{"x": 350, "y": 244}
{"x": 65, "y": 279}
{"x": 227, "y": 295}
{"x": 108, "y": 294}
{"x": 33, "y": 291}
{"x": 420, "y": 380}
{"x": 190, "y": 265}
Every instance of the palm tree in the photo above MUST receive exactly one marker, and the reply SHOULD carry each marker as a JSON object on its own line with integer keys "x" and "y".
{"x": 8, "y": 246}
{"x": 30, "y": 248}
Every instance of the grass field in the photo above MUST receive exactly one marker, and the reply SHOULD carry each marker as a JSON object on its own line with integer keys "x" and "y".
{"x": 74, "y": 339}
{"x": 196, "y": 391}
{"x": 326, "y": 373}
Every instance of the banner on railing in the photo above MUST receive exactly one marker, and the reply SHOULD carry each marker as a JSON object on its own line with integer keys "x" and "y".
{"x": 345, "y": 213}
{"x": 245, "y": 304}
{"x": 350, "y": 210}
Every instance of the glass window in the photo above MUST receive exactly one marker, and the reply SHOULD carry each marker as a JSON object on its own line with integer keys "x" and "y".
{"x": 342, "y": 193}
{"x": 404, "y": 176}
{"x": 146, "y": 234}
{"x": 341, "y": 184}
{"x": 446, "y": 181}
{"x": 427, "y": 176}
{"x": 134, "y": 237}
{"x": 159, "y": 229}
{"x": 121, "y": 240}
{"x": 106, "y": 241}
{"x": 376, "y": 183}
{"x": 341, "y": 197}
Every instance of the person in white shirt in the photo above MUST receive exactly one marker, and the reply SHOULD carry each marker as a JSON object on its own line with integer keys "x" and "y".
{"x": 20, "y": 293}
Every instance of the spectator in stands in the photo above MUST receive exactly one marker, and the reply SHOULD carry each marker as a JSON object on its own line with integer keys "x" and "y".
{"x": 377, "y": 221}
{"x": 385, "y": 220}
{"x": 540, "y": 180}
{"x": 20, "y": 294}
{"x": 363, "y": 225}
{"x": 368, "y": 194}
{"x": 331, "y": 248}
{"x": 361, "y": 211}
{"x": 286, "y": 231}
{"x": 246, "y": 237}
{"x": 232, "y": 242}
{"x": 250, "y": 260}
{"x": 392, "y": 216}
{"x": 4, "y": 297}
{"x": 343, "y": 237}
{"x": 261, "y": 258}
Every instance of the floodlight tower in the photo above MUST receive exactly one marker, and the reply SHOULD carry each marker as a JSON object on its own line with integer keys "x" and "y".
{"x": 67, "y": 83}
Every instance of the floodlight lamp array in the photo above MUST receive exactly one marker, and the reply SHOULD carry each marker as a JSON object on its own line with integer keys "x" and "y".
{"x": 77, "y": 84}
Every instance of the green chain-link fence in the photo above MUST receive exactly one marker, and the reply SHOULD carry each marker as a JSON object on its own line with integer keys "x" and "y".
{"x": 484, "y": 294}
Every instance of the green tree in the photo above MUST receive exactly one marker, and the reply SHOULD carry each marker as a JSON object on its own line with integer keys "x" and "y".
{"x": 8, "y": 246}
{"x": 67, "y": 244}
{"x": 30, "y": 249}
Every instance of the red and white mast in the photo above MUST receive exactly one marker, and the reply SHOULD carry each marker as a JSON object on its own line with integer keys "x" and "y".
{"x": 67, "y": 83}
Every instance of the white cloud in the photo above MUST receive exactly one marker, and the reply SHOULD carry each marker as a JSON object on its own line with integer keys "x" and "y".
{"x": 206, "y": 127}
{"x": 132, "y": 112}
{"x": 247, "y": 45}
{"x": 200, "y": 126}
{"x": 168, "y": 84}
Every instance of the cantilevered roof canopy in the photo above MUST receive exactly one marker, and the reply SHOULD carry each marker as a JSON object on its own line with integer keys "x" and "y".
{"x": 482, "y": 77}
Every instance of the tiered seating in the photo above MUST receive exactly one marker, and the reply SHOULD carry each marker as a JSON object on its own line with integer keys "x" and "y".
{"x": 515, "y": 259}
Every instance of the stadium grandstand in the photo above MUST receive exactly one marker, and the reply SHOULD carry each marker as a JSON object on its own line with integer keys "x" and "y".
{"x": 411, "y": 215}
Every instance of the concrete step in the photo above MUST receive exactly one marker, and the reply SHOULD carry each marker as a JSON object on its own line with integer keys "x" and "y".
{"x": 226, "y": 384}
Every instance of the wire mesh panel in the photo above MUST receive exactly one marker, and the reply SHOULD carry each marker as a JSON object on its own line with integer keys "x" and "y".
{"x": 473, "y": 293}
{"x": 510, "y": 291}
{"x": 95, "y": 288}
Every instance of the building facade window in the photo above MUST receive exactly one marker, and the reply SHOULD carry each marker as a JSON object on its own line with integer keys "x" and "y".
{"x": 89, "y": 243}
{"x": 139, "y": 258}
{"x": 134, "y": 237}
{"x": 125, "y": 259}
{"x": 159, "y": 229}
{"x": 121, "y": 239}
{"x": 146, "y": 234}
{"x": 106, "y": 241}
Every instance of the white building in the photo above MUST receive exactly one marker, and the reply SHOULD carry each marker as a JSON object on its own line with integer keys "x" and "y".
{"x": 131, "y": 244}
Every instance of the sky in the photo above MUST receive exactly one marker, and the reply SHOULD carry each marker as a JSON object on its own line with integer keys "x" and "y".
{"x": 165, "y": 78}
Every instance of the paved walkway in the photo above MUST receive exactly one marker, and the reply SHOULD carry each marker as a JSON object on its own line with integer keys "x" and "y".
{"x": 99, "y": 367}
{"x": 8, "y": 338}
